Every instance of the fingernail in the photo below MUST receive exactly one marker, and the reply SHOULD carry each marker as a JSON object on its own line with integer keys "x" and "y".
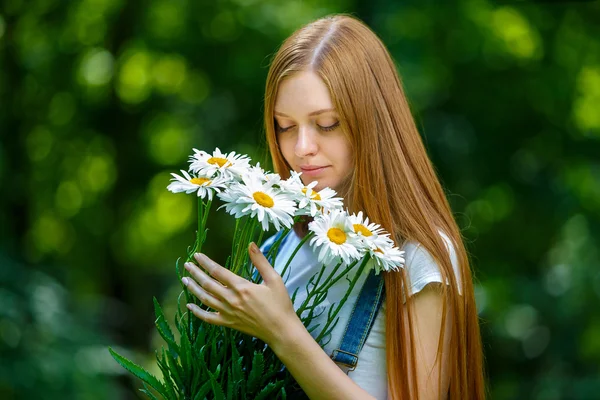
{"x": 187, "y": 265}
{"x": 197, "y": 256}
{"x": 185, "y": 281}
{"x": 254, "y": 248}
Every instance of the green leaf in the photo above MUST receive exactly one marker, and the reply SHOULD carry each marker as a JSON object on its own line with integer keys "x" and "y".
{"x": 203, "y": 391}
{"x": 200, "y": 368}
{"x": 267, "y": 390}
{"x": 313, "y": 328}
{"x": 176, "y": 370}
{"x": 148, "y": 392}
{"x": 237, "y": 369}
{"x": 256, "y": 373}
{"x": 185, "y": 353}
{"x": 294, "y": 295}
{"x": 167, "y": 374}
{"x": 164, "y": 329}
{"x": 216, "y": 386}
{"x": 283, "y": 394}
{"x": 140, "y": 372}
{"x": 214, "y": 360}
{"x": 229, "y": 384}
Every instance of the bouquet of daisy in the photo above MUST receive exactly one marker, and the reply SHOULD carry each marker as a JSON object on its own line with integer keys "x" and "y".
{"x": 208, "y": 361}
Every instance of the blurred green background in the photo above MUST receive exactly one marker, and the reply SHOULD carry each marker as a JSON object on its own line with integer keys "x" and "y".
{"x": 101, "y": 99}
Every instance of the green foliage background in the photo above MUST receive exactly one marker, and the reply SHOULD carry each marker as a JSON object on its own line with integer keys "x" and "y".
{"x": 101, "y": 99}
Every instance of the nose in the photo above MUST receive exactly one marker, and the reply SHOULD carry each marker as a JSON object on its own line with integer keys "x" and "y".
{"x": 306, "y": 143}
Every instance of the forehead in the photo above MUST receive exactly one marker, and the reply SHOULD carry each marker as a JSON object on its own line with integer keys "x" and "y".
{"x": 301, "y": 94}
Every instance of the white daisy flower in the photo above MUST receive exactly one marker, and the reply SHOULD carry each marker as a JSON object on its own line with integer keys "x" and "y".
{"x": 386, "y": 256}
{"x": 204, "y": 185}
{"x": 268, "y": 178}
{"x": 334, "y": 238}
{"x": 230, "y": 166}
{"x": 368, "y": 233}
{"x": 292, "y": 185}
{"x": 311, "y": 202}
{"x": 257, "y": 199}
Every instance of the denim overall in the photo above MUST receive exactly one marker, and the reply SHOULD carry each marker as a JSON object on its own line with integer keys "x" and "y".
{"x": 359, "y": 325}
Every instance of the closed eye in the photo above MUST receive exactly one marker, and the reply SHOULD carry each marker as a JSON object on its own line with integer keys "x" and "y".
{"x": 279, "y": 129}
{"x": 330, "y": 127}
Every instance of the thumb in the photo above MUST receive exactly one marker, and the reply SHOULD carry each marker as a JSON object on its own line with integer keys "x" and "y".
{"x": 261, "y": 263}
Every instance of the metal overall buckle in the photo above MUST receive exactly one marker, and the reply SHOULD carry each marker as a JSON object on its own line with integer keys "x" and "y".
{"x": 344, "y": 366}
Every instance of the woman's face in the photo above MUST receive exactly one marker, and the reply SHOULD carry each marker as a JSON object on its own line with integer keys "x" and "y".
{"x": 309, "y": 133}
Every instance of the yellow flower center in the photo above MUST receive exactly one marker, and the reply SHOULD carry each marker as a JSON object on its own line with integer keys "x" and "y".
{"x": 263, "y": 199}
{"x": 200, "y": 181}
{"x": 336, "y": 235}
{"x": 360, "y": 228}
{"x": 314, "y": 196}
{"x": 219, "y": 161}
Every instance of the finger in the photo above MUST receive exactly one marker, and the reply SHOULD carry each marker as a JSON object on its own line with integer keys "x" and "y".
{"x": 223, "y": 275}
{"x": 261, "y": 263}
{"x": 206, "y": 282}
{"x": 210, "y": 317}
{"x": 203, "y": 295}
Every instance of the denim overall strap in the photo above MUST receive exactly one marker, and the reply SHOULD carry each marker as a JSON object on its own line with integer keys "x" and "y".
{"x": 361, "y": 321}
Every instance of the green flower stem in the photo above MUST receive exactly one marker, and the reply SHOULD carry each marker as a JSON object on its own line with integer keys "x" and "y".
{"x": 330, "y": 282}
{"x": 341, "y": 303}
{"x": 304, "y": 239}
{"x": 243, "y": 256}
{"x": 274, "y": 250}
{"x": 316, "y": 290}
{"x": 327, "y": 283}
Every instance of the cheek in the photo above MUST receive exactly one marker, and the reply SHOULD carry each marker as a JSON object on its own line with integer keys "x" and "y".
{"x": 345, "y": 154}
{"x": 287, "y": 149}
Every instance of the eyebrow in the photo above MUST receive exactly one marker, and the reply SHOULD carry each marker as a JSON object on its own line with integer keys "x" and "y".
{"x": 311, "y": 114}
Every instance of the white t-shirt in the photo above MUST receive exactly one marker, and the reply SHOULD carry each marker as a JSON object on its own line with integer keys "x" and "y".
{"x": 371, "y": 371}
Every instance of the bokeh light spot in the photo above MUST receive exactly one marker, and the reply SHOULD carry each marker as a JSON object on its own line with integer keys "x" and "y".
{"x": 51, "y": 234}
{"x": 68, "y": 199}
{"x": 586, "y": 105}
{"x": 520, "y": 39}
{"x": 168, "y": 139}
{"x": 96, "y": 68}
{"x": 163, "y": 215}
{"x": 165, "y": 19}
{"x": 169, "y": 73}
{"x": 97, "y": 172}
{"x": 134, "y": 78}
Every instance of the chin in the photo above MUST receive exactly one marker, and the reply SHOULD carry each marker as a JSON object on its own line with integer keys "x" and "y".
{"x": 322, "y": 185}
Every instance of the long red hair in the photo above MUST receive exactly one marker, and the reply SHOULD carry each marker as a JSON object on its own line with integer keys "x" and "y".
{"x": 393, "y": 182}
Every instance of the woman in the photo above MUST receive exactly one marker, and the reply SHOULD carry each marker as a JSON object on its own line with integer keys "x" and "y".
{"x": 335, "y": 110}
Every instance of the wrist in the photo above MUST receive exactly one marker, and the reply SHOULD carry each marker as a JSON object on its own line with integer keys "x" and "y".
{"x": 287, "y": 334}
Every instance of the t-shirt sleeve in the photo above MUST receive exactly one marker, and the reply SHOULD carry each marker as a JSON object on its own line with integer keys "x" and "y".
{"x": 422, "y": 269}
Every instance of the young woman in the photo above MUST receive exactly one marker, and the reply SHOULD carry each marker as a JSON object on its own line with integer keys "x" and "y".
{"x": 335, "y": 110}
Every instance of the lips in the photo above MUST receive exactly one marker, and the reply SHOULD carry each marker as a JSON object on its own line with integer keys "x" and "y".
{"x": 313, "y": 169}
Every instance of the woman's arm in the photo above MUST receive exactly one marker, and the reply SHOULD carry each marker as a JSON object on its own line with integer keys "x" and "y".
{"x": 426, "y": 307}
{"x": 317, "y": 374}
{"x": 266, "y": 311}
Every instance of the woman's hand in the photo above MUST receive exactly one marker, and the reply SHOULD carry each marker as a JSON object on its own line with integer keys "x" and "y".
{"x": 263, "y": 311}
